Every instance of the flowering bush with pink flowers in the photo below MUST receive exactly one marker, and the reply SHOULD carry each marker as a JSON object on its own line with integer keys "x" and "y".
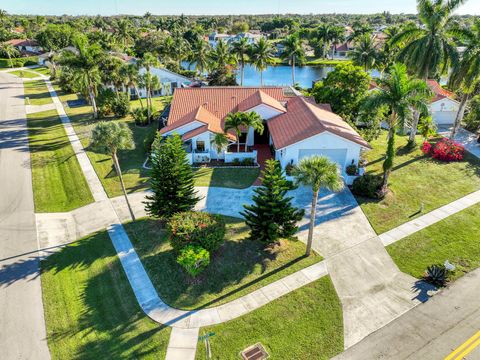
{"x": 444, "y": 150}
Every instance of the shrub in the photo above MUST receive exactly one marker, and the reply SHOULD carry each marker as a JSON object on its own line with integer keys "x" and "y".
{"x": 236, "y": 162}
{"x": 368, "y": 186}
{"x": 248, "y": 162}
{"x": 194, "y": 259}
{"x": 436, "y": 275}
{"x": 148, "y": 141}
{"x": 121, "y": 105}
{"x": 289, "y": 169}
{"x": 196, "y": 228}
{"x": 352, "y": 169}
{"x": 444, "y": 150}
{"x": 140, "y": 116}
{"x": 105, "y": 100}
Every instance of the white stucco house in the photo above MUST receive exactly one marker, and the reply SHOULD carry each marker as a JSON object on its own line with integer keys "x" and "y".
{"x": 295, "y": 126}
{"x": 26, "y": 46}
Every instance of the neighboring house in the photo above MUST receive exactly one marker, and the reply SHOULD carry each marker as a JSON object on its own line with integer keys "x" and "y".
{"x": 252, "y": 38}
{"x": 443, "y": 107}
{"x": 340, "y": 52}
{"x": 295, "y": 126}
{"x": 26, "y": 46}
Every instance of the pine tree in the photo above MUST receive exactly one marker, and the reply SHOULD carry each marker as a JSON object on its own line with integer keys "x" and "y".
{"x": 172, "y": 179}
{"x": 272, "y": 215}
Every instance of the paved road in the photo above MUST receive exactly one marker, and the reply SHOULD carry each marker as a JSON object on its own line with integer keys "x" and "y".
{"x": 22, "y": 326}
{"x": 430, "y": 331}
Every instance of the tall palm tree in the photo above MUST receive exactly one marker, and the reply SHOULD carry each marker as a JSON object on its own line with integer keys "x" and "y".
{"x": 148, "y": 61}
{"x": 84, "y": 63}
{"x": 338, "y": 36}
{"x": 293, "y": 51}
{"x": 235, "y": 122}
{"x": 399, "y": 93}
{"x": 466, "y": 74}
{"x": 241, "y": 48}
{"x": 365, "y": 53}
{"x": 359, "y": 31}
{"x": 429, "y": 50}
{"x": 109, "y": 137}
{"x": 262, "y": 56}
{"x": 317, "y": 172}
{"x": 132, "y": 78}
{"x": 123, "y": 32}
{"x": 9, "y": 50}
{"x": 200, "y": 55}
{"x": 325, "y": 34}
{"x": 221, "y": 55}
{"x": 252, "y": 119}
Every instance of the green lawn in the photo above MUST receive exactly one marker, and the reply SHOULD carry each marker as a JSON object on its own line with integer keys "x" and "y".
{"x": 231, "y": 178}
{"x": 42, "y": 70}
{"x": 24, "y": 74}
{"x": 58, "y": 181}
{"x": 239, "y": 267}
{"x": 416, "y": 180}
{"x": 37, "y": 92}
{"x": 454, "y": 238}
{"x": 90, "y": 309}
{"x": 134, "y": 176}
{"x": 305, "y": 324}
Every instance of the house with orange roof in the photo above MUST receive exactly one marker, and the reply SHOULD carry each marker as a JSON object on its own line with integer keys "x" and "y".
{"x": 295, "y": 126}
{"x": 26, "y": 46}
{"x": 443, "y": 106}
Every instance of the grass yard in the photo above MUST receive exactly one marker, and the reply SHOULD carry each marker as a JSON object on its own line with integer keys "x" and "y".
{"x": 42, "y": 70}
{"x": 416, "y": 180}
{"x": 90, "y": 309}
{"x": 24, "y": 74}
{"x": 239, "y": 267}
{"x": 231, "y": 178}
{"x": 58, "y": 181}
{"x": 37, "y": 92}
{"x": 134, "y": 176}
{"x": 454, "y": 238}
{"x": 305, "y": 324}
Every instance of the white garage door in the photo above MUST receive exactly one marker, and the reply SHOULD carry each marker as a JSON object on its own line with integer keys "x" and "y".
{"x": 335, "y": 155}
{"x": 444, "y": 117}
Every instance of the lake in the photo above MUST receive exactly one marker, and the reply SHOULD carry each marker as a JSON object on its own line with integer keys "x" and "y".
{"x": 281, "y": 75}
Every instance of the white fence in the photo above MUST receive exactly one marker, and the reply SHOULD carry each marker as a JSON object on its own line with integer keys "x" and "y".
{"x": 231, "y": 156}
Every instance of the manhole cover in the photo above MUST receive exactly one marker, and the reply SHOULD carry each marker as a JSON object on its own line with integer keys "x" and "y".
{"x": 254, "y": 352}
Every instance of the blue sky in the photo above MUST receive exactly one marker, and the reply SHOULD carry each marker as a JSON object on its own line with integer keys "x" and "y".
{"x": 199, "y": 7}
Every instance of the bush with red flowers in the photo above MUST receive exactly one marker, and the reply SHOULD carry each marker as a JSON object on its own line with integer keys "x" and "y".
{"x": 444, "y": 150}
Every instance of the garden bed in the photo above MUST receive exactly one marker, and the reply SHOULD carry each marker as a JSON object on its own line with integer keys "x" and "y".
{"x": 236, "y": 269}
{"x": 418, "y": 184}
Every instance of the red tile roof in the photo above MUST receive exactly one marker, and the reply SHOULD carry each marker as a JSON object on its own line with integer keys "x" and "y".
{"x": 305, "y": 119}
{"x": 259, "y": 97}
{"x": 22, "y": 42}
{"x": 440, "y": 93}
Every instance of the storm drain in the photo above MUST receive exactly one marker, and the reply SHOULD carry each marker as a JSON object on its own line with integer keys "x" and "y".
{"x": 254, "y": 352}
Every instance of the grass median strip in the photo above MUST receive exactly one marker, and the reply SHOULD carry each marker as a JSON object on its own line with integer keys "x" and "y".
{"x": 37, "y": 93}
{"x": 58, "y": 181}
{"x": 90, "y": 309}
{"x": 305, "y": 324}
{"x": 239, "y": 267}
{"x": 24, "y": 74}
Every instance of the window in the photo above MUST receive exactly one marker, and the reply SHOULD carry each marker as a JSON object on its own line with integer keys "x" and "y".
{"x": 200, "y": 146}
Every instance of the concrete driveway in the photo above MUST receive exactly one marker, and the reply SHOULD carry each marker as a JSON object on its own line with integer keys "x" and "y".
{"x": 22, "y": 326}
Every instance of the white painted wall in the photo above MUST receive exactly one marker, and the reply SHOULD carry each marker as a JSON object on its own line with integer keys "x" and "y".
{"x": 324, "y": 140}
{"x": 265, "y": 112}
{"x": 444, "y": 111}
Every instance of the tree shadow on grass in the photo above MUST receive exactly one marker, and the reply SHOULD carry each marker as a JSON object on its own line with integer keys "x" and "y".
{"x": 109, "y": 320}
{"x": 229, "y": 266}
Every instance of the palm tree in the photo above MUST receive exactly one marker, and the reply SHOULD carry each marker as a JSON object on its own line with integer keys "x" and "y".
{"x": 293, "y": 51}
{"x": 429, "y": 50}
{"x": 338, "y": 36}
{"x": 317, "y": 172}
{"x": 466, "y": 74}
{"x": 235, "y": 122}
{"x": 148, "y": 61}
{"x": 325, "y": 34}
{"x": 200, "y": 55}
{"x": 399, "y": 93}
{"x": 365, "y": 53}
{"x": 9, "y": 50}
{"x": 123, "y": 32}
{"x": 359, "y": 31}
{"x": 220, "y": 55}
{"x": 241, "y": 48}
{"x": 109, "y": 137}
{"x": 219, "y": 141}
{"x": 84, "y": 64}
{"x": 262, "y": 56}
{"x": 132, "y": 78}
{"x": 252, "y": 119}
